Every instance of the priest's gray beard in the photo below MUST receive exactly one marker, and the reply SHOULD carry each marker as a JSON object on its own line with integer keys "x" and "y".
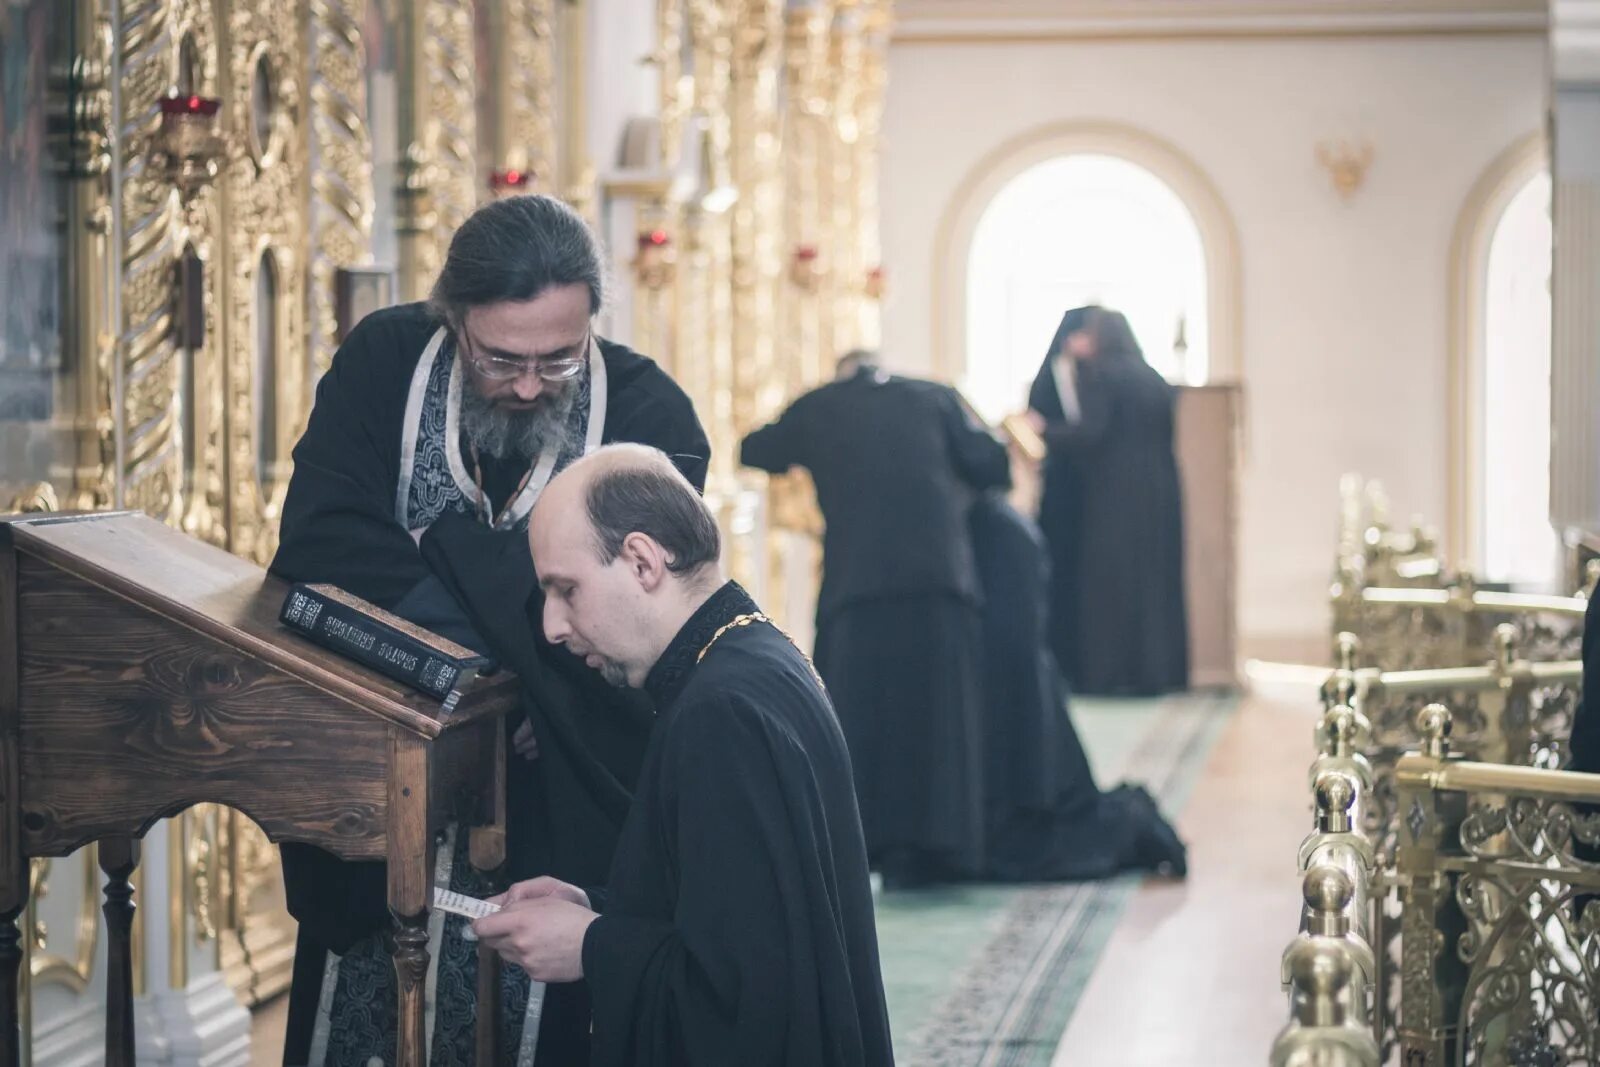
{"x": 502, "y": 432}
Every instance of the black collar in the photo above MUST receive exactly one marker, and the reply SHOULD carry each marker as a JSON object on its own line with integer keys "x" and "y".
{"x": 671, "y": 672}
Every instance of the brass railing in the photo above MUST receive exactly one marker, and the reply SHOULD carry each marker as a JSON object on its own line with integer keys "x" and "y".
{"x": 1330, "y": 970}
{"x": 1510, "y": 710}
{"x": 1500, "y": 954}
{"x": 1417, "y": 628}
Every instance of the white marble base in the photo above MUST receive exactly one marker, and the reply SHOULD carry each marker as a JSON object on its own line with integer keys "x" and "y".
{"x": 150, "y": 1041}
{"x": 201, "y": 1026}
{"x": 75, "y": 1038}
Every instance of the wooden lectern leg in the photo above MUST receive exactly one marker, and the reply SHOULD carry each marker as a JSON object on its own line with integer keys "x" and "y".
{"x": 118, "y": 857}
{"x": 411, "y": 855}
{"x": 411, "y": 967}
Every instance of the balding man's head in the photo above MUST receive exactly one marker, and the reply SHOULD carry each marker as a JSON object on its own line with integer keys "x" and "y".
{"x": 621, "y": 542}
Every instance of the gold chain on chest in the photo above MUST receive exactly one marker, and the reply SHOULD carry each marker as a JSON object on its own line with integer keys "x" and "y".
{"x": 752, "y": 617}
{"x": 736, "y": 621}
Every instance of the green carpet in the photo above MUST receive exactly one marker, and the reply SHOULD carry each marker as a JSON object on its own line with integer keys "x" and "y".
{"x": 988, "y": 974}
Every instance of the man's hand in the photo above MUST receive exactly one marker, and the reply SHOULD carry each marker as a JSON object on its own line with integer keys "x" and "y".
{"x": 525, "y": 743}
{"x": 543, "y": 886}
{"x": 542, "y": 935}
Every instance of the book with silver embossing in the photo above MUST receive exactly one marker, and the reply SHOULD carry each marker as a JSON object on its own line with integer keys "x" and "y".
{"x": 344, "y": 623}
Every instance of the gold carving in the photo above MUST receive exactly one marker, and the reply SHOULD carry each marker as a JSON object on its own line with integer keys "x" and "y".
{"x": 341, "y": 185}
{"x": 757, "y": 216}
{"x": 1346, "y": 163}
{"x": 41, "y": 496}
{"x": 72, "y": 971}
{"x": 524, "y": 138}
{"x": 265, "y": 226}
{"x": 437, "y": 176}
{"x": 448, "y": 71}
{"x": 81, "y": 139}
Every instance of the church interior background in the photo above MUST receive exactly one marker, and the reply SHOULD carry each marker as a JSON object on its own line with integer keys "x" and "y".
{"x": 1330, "y": 222}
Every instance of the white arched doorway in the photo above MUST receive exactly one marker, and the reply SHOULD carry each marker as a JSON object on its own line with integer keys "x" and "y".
{"x": 1090, "y": 177}
{"x": 1074, "y": 230}
{"x": 1501, "y": 375}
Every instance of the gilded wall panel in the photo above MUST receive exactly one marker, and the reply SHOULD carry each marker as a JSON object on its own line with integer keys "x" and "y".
{"x": 148, "y": 457}
{"x": 451, "y": 82}
{"x": 341, "y": 154}
{"x": 267, "y": 398}
{"x": 524, "y": 82}
{"x": 757, "y": 216}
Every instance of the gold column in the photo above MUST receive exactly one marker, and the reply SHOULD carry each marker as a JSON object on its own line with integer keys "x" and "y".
{"x": 757, "y": 217}
{"x": 437, "y": 180}
{"x": 805, "y": 63}
{"x": 341, "y": 185}
{"x": 874, "y": 77}
{"x": 146, "y": 370}
{"x": 82, "y": 142}
{"x": 576, "y": 170}
{"x": 841, "y": 189}
{"x": 707, "y": 336}
{"x": 522, "y": 39}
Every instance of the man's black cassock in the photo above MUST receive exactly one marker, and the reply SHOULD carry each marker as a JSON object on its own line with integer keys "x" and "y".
{"x": 477, "y": 584}
{"x": 1112, "y": 511}
{"x": 1046, "y": 817}
{"x": 1585, "y": 747}
{"x": 736, "y": 927}
{"x": 897, "y": 464}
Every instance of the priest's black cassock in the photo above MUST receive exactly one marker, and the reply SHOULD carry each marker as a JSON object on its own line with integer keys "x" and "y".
{"x": 737, "y": 927}
{"x": 1059, "y": 501}
{"x": 897, "y": 464}
{"x": 1047, "y": 820}
{"x": 375, "y": 462}
{"x": 1113, "y": 499}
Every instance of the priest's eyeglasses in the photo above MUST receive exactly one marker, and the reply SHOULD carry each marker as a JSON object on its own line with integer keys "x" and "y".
{"x": 559, "y": 368}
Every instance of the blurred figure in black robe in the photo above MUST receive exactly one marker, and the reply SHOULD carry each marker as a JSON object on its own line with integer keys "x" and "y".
{"x": 1112, "y": 510}
{"x": 385, "y": 503}
{"x": 897, "y": 465}
{"x": 1046, "y": 819}
{"x": 1054, "y": 389}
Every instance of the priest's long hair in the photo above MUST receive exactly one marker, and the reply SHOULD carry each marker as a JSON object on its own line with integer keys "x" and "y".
{"x": 515, "y": 249}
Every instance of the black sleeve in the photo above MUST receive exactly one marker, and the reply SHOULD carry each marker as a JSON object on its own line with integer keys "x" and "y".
{"x": 774, "y": 447}
{"x": 339, "y": 521}
{"x": 665, "y": 418}
{"x": 711, "y": 984}
{"x": 1042, "y": 397}
{"x": 1097, "y": 408}
{"x": 979, "y": 456}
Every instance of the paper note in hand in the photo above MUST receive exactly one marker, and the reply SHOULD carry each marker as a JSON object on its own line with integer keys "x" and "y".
{"x": 469, "y": 908}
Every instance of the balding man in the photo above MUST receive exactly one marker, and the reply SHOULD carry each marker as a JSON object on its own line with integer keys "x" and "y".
{"x": 736, "y": 927}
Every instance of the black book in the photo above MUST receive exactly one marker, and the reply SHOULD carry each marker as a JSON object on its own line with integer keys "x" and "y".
{"x": 390, "y": 645}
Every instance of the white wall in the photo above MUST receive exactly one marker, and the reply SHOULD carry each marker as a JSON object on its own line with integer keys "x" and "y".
{"x": 1345, "y": 305}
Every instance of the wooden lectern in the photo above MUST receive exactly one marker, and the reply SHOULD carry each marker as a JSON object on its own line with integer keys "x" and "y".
{"x": 143, "y": 671}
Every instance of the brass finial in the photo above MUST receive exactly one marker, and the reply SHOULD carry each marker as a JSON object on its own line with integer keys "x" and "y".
{"x": 1505, "y": 646}
{"x": 1337, "y": 731}
{"x": 1335, "y": 792}
{"x": 1346, "y": 646}
{"x": 1328, "y": 891}
{"x": 1319, "y": 972}
{"x": 1433, "y": 723}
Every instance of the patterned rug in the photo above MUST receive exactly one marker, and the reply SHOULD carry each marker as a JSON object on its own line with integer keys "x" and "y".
{"x": 988, "y": 976}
